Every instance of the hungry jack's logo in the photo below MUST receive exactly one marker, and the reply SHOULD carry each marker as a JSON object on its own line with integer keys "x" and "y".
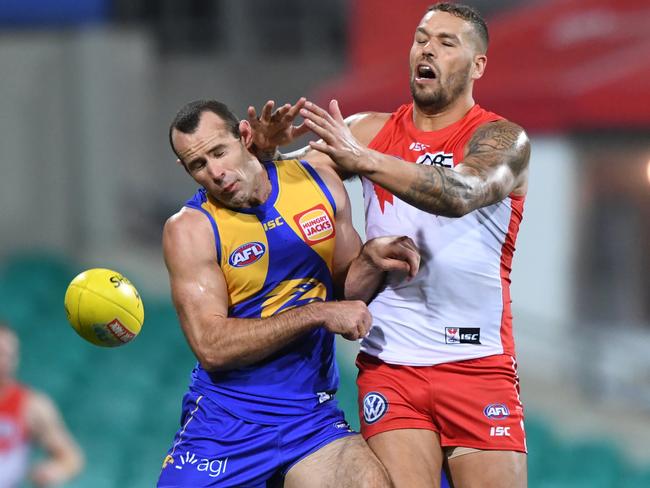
{"x": 315, "y": 224}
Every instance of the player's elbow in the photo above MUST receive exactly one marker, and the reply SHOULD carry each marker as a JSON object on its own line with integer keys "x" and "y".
{"x": 454, "y": 209}
{"x": 217, "y": 357}
{"x": 77, "y": 462}
{"x": 70, "y": 461}
{"x": 212, "y": 361}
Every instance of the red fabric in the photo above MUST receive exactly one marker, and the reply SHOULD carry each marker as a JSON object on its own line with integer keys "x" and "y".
{"x": 399, "y": 133}
{"x": 471, "y": 403}
{"x": 552, "y": 66}
{"x": 13, "y": 429}
{"x": 507, "y": 252}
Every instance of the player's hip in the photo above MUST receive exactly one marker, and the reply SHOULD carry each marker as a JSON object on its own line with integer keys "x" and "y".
{"x": 473, "y": 403}
{"x": 214, "y": 447}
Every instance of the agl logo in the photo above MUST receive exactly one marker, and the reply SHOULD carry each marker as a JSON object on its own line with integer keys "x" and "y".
{"x": 246, "y": 254}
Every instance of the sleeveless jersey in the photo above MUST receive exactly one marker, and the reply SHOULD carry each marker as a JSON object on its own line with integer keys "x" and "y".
{"x": 458, "y": 305}
{"x": 14, "y": 448}
{"x": 276, "y": 256}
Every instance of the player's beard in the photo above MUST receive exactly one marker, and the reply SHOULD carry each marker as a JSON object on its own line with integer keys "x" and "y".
{"x": 444, "y": 94}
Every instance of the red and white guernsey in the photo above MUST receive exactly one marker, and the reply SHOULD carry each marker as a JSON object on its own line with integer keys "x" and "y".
{"x": 14, "y": 450}
{"x": 458, "y": 305}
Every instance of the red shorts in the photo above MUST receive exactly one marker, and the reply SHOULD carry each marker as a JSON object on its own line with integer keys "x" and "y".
{"x": 472, "y": 403}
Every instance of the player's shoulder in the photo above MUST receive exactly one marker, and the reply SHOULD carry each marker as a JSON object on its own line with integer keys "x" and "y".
{"x": 366, "y": 125}
{"x": 18, "y": 392}
{"x": 184, "y": 226}
{"x": 186, "y": 218}
{"x": 329, "y": 176}
{"x": 38, "y": 406}
{"x": 503, "y": 130}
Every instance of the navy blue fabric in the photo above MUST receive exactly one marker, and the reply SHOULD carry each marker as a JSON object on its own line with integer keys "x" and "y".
{"x": 214, "y": 447}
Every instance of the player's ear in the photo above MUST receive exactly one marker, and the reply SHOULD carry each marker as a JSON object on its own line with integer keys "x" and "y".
{"x": 478, "y": 68}
{"x": 246, "y": 133}
{"x": 181, "y": 163}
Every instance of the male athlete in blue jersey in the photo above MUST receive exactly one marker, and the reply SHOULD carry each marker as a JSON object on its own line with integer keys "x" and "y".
{"x": 254, "y": 260}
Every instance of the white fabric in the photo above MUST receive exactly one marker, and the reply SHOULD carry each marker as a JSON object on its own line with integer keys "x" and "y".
{"x": 458, "y": 285}
{"x": 13, "y": 466}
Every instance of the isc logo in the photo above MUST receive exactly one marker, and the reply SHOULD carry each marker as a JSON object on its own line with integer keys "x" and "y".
{"x": 246, "y": 254}
{"x": 418, "y": 146}
{"x": 273, "y": 223}
{"x": 462, "y": 335}
{"x": 500, "y": 431}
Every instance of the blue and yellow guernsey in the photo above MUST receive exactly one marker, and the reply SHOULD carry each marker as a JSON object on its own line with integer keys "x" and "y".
{"x": 276, "y": 256}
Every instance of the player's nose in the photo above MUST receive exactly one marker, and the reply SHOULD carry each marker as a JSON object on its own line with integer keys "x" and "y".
{"x": 216, "y": 172}
{"x": 428, "y": 50}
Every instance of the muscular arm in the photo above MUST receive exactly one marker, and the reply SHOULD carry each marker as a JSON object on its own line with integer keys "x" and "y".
{"x": 46, "y": 428}
{"x": 379, "y": 255}
{"x": 495, "y": 165}
{"x": 358, "y": 271}
{"x": 200, "y": 295}
{"x": 348, "y": 242}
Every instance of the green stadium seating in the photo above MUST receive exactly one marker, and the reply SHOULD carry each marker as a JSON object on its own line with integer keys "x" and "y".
{"x": 123, "y": 404}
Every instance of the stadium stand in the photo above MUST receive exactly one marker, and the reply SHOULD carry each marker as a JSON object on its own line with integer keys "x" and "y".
{"x": 123, "y": 404}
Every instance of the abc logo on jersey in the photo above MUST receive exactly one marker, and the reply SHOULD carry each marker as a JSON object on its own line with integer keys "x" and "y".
{"x": 246, "y": 254}
{"x": 315, "y": 224}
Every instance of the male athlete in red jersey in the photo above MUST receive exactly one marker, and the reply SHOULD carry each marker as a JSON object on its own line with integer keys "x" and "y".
{"x": 28, "y": 417}
{"x": 437, "y": 381}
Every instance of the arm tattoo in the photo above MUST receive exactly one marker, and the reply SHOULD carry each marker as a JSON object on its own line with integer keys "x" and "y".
{"x": 497, "y": 155}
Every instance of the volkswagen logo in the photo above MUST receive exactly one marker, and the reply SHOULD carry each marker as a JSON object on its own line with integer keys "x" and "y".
{"x": 375, "y": 406}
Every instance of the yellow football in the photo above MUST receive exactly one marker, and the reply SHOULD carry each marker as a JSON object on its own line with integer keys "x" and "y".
{"x": 104, "y": 307}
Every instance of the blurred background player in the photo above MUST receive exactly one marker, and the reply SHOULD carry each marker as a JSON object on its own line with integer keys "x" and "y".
{"x": 438, "y": 381}
{"x": 29, "y": 418}
{"x": 254, "y": 261}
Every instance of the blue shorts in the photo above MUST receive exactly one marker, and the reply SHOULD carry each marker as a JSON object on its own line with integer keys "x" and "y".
{"x": 216, "y": 448}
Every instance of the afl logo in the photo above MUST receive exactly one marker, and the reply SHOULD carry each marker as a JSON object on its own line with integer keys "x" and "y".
{"x": 375, "y": 407}
{"x": 246, "y": 254}
{"x": 496, "y": 411}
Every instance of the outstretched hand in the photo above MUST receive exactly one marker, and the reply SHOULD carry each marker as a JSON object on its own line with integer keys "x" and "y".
{"x": 272, "y": 129}
{"x": 337, "y": 141}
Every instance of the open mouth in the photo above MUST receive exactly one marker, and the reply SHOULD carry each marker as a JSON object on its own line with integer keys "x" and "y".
{"x": 425, "y": 72}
